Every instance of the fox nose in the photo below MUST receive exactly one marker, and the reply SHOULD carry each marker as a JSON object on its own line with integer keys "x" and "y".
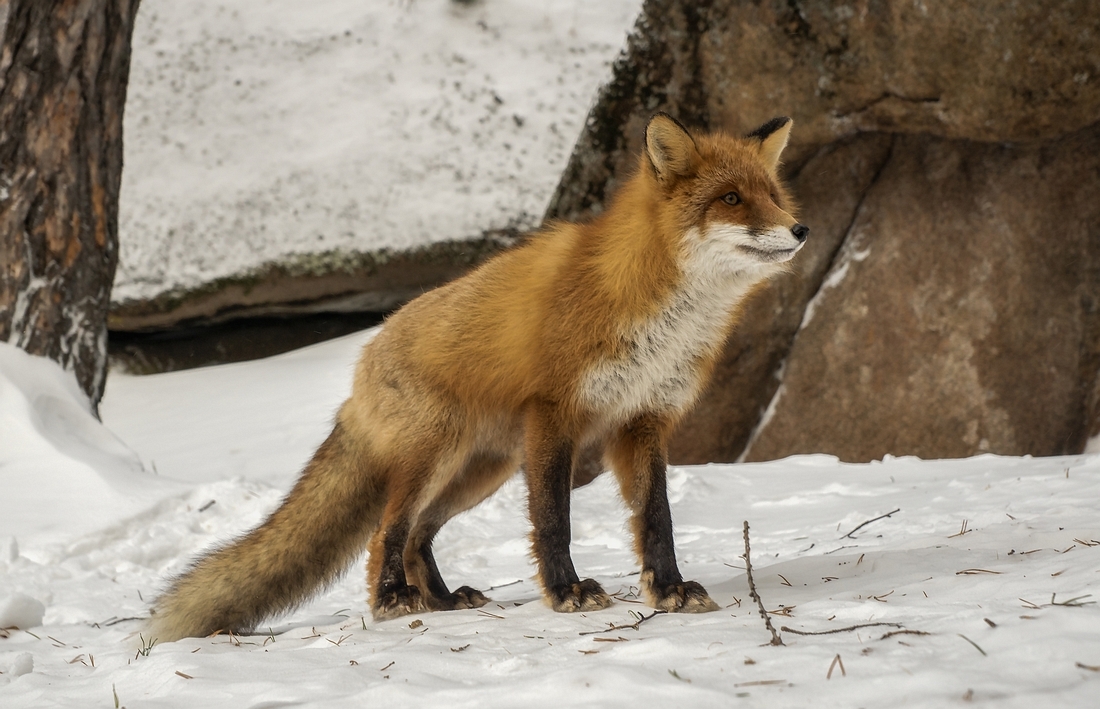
{"x": 800, "y": 231}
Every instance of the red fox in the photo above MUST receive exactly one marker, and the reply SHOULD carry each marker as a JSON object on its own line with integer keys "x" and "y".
{"x": 600, "y": 333}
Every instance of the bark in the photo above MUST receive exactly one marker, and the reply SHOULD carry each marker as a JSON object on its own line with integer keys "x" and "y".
{"x": 64, "y": 65}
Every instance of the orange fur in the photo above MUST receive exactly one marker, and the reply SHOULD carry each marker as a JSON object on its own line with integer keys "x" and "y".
{"x": 598, "y": 333}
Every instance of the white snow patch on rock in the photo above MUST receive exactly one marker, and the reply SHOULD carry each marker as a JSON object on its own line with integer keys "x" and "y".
{"x": 257, "y": 129}
{"x": 833, "y": 279}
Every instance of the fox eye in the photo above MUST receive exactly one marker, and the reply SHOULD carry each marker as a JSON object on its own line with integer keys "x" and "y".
{"x": 731, "y": 199}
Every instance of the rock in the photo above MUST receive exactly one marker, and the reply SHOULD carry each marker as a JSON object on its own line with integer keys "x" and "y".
{"x": 945, "y": 155}
{"x": 971, "y": 69}
{"x": 961, "y": 314}
{"x": 976, "y": 70}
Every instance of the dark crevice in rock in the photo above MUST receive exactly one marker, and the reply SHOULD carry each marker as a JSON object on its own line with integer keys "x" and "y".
{"x": 794, "y": 23}
{"x": 1088, "y": 415}
{"x": 1089, "y": 370}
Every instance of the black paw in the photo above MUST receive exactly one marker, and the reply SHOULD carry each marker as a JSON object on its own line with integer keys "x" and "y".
{"x": 396, "y": 602}
{"x": 584, "y": 595}
{"x": 680, "y": 597}
{"x": 466, "y": 597}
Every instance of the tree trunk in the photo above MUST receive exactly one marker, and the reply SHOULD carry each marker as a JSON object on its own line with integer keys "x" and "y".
{"x": 64, "y": 65}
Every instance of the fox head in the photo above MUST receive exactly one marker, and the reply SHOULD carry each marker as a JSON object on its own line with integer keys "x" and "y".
{"x": 722, "y": 194}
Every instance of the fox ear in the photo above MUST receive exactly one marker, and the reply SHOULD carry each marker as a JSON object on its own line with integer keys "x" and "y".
{"x": 773, "y": 137}
{"x": 670, "y": 148}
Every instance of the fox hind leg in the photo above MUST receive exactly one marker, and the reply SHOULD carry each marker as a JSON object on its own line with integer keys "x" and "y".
{"x": 480, "y": 477}
{"x": 422, "y": 571}
{"x": 391, "y": 596}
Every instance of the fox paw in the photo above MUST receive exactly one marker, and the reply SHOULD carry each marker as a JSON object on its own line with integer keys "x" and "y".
{"x": 466, "y": 597}
{"x": 682, "y": 597}
{"x": 584, "y": 595}
{"x": 396, "y": 602}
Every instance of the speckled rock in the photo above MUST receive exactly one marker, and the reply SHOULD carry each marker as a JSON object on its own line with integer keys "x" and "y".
{"x": 960, "y": 314}
{"x": 977, "y": 70}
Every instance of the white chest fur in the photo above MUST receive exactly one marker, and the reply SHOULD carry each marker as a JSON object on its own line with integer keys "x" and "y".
{"x": 658, "y": 370}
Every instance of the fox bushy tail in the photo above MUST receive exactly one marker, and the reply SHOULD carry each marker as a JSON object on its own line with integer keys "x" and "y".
{"x": 305, "y": 544}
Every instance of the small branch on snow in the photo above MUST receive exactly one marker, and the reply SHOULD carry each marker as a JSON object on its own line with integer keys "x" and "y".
{"x": 1071, "y": 603}
{"x": 836, "y": 661}
{"x": 850, "y": 628}
{"x": 876, "y": 519}
{"x": 976, "y": 647}
{"x": 892, "y": 633}
{"x": 776, "y": 640}
{"x": 504, "y": 585}
{"x": 628, "y": 626}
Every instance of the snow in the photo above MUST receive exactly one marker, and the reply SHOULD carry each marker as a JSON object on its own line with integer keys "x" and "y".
{"x": 49, "y": 443}
{"x": 260, "y": 129}
{"x": 21, "y": 611}
{"x": 995, "y": 558}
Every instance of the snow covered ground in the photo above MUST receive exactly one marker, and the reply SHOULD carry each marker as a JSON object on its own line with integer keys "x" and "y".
{"x": 260, "y": 129}
{"x": 982, "y": 585}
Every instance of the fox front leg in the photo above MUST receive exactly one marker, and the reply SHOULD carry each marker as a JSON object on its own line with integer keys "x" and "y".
{"x": 549, "y": 483}
{"x": 639, "y": 460}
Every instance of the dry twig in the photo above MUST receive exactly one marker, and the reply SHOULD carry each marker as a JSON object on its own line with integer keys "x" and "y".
{"x": 892, "y": 633}
{"x": 976, "y": 646}
{"x": 964, "y": 529}
{"x": 876, "y": 519}
{"x": 785, "y": 629}
{"x": 628, "y": 626}
{"x": 1071, "y": 603}
{"x": 776, "y": 640}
